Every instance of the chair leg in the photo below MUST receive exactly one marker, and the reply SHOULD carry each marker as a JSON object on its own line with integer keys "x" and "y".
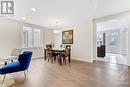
{"x": 55, "y": 58}
{"x": 64, "y": 60}
{"x": 48, "y": 57}
{"x": 25, "y": 75}
{"x": 3, "y": 78}
{"x": 52, "y": 59}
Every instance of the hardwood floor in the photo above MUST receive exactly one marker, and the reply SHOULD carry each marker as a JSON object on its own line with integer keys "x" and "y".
{"x": 78, "y": 74}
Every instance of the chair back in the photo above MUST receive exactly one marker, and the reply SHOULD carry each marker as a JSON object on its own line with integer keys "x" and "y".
{"x": 49, "y": 50}
{"x": 68, "y": 46}
{"x": 67, "y": 50}
{"x": 49, "y": 46}
{"x": 25, "y": 59}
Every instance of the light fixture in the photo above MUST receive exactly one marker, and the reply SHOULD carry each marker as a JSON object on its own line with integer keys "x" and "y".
{"x": 57, "y": 30}
{"x": 23, "y": 18}
{"x": 33, "y": 9}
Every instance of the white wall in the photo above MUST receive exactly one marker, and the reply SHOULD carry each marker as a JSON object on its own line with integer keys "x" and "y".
{"x": 48, "y": 37}
{"x": 57, "y": 39}
{"x": 10, "y": 37}
{"x": 82, "y": 47}
{"x": 124, "y": 41}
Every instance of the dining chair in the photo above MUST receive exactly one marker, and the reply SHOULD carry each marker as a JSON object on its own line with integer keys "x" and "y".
{"x": 51, "y": 55}
{"x": 55, "y": 56}
{"x": 49, "y": 52}
{"x": 66, "y": 53}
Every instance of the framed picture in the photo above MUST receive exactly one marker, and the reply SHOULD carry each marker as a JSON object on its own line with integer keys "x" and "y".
{"x": 67, "y": 37}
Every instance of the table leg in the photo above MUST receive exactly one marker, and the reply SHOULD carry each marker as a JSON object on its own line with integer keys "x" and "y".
{"x": 45, "y": 54}
{"x": 60, "y": 58}
{"x": 69, "y": 58}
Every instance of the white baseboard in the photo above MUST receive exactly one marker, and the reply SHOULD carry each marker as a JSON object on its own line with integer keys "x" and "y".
{"x": 129, "y": 65}
{"x": 37, "y": 57}
{"x": 81, "y": 59}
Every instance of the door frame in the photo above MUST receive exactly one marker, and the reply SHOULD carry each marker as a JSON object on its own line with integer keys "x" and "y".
{"x": 123, "y": 15}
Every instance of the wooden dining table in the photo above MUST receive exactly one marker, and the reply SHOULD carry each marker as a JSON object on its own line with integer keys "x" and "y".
{"x": 60, "y": 51}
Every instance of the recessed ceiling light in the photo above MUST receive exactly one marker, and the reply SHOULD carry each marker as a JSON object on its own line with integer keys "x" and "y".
{"x": 33, "y": 9}
{"x": 23, "y": 18}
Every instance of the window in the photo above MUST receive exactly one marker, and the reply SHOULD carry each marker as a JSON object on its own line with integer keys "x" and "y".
{"x": 113, "y": 38}
{"x": 37, "y": 38}
{"x": 31, "y": 37}
{"x": 25, "y": 37}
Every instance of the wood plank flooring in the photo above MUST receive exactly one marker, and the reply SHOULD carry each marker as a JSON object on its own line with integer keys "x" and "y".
{"x": 79, "y": 74}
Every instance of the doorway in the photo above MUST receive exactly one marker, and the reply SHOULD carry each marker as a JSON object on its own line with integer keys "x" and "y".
{"x": 112, "y": 41}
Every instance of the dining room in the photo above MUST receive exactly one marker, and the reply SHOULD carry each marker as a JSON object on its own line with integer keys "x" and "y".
{"x": 60, "y": 53}
{"x": 52, "y": 43}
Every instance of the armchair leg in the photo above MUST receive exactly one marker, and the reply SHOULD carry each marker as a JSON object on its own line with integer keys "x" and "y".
{"x": 4, "y": 79}
{"x": 25, "y": 75}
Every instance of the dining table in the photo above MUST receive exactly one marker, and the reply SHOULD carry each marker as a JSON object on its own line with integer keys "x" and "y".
{"x": 60, "y": 51}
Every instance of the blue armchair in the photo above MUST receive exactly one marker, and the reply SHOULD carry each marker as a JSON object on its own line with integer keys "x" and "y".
{"x": 21, "y": 64}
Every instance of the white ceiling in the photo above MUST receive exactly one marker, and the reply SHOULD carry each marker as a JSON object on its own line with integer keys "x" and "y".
{"x": 67, "y": 12}
{"x": 112, "y": 25}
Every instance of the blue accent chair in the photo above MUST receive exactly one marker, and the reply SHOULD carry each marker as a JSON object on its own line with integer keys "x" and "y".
{"x": 21, "y": 64}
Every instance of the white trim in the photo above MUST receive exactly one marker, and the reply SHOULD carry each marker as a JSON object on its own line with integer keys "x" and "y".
{"x": 129, "y": 39}
{"x": 81, "y": 59}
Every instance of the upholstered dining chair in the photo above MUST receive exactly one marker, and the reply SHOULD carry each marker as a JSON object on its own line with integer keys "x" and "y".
{"x": 51, "y": 55}
{"x": 49, "y": 52}
{"x": 21, "y": 64}
{"x": 66, "y": 53}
